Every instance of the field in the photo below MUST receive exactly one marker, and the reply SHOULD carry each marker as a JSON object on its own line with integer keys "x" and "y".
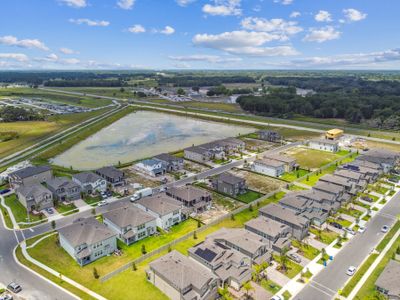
{"x": 227, "y": 107}
{"x": 101, "y": 91}
{"x": 260, "y": 183}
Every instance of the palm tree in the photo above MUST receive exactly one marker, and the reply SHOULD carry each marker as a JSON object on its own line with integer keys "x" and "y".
{"x": 224, "y": 293}
{"x": 283, "y": 258}
{"x": 248, "y": 287}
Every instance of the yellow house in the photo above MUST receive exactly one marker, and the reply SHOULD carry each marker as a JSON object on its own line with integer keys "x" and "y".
{"x": 334, "y": 134}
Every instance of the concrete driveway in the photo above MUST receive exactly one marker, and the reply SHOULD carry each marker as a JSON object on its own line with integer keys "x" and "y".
{"x": 276, "y": 276}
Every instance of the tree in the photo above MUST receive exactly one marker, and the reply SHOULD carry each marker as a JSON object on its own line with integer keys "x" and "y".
{"x": 122, "y": 90}
{"x": 134, "y": 268}
{"x": 95, "y": 273}
{"x": 144, "y": 249}
{"x": 248, "y": 287}
{"x": 224, "y": 293}
{"x": 250, "y": 207}
{"x": 195, "y": 235}
{"x": 232, "y": 217}
{"x": 180, "y": 92}
{"x": 93, "y": 211}
{"x": 198, "y": 224}
{"x": 53, "y": 224}
{"x": 283, "y": 258}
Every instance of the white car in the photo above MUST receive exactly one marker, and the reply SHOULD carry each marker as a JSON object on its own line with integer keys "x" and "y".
{"x": 385, "y": 228}
{"x": 276, "y": 297}
{"x": 361, "y": 229}
{"x": 351, "y": 270}
{"x": 102, "y": 203}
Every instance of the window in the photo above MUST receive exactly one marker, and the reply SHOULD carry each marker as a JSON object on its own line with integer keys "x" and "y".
{"x": 141, "y": 234}
{"x": 140, "y": 227}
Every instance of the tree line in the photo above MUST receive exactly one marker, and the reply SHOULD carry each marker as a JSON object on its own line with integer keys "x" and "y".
{"x": 13, "y": 114}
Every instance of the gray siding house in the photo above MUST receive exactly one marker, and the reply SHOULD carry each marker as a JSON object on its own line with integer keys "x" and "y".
{"x": 268, "y": 167}
{"x": 35, "y": 197}
{"x": 230, "y": 184}
{"x": 89, "y": 182}
{"x": 64, "y": 189}
{"x": 29, "y": 176}
{"x": 171, "y": 163}
{"x": 130, "y": 223}
{"x": 388, "y": 282}
{"x": 270, "y": 136}
{"x": 87, "y": 240}
{"x": 195, "y": 199}
{"x": 112, "y": 175}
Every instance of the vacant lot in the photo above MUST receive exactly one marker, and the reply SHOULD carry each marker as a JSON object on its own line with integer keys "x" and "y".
{"x": 310, "y": 158}
{"x": 228, "y": 107}
{"x": 260, "y": 183}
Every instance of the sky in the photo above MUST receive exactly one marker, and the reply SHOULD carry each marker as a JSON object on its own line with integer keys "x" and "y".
{"x": 199, "y": 34}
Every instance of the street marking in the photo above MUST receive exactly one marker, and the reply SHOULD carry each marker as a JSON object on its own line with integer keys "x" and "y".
{"x": 322, "y": 287}
{"x": 320, "y": 290}
{"x": 31, "y": 230}
{"x": 387, "y": 215}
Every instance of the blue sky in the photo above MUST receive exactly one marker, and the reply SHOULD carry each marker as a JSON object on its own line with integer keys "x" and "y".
{"x": 199, "y": 34}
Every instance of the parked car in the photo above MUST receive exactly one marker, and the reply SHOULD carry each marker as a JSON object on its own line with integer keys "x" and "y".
{"x": 5, "y": 191}
{"x": 50, "y": 211}
{"x": 361, "y": 229}
{"x": 295, "y": 257}
{"x": 102, "y": 203}
{"x": 14, "y": 287}
{"x": 385, "y": 228}
{"x": 336, "y": 225}
{"x": 351, "y": 270}
{"x": 6, "y": 297}
{"x": 349, "y": 230}
{"x": 276, "y": 297}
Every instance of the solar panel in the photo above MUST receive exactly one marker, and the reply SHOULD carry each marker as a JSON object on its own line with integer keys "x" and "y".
{"x": 206, "y": 254}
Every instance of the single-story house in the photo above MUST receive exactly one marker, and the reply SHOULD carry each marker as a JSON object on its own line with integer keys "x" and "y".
{"x": 64, "y": 189}
{"x": 152, "y": 167}
{"x": 112, "y": 175}
{"x": 324, "y": 145}
{"x": 90, "y": 182}
{"x": 388, "y": 282}
{"x": 35, "y": 197}
{"x": 130, "y": 223}
{"x": 30, "y": 175}
{"x": 180, "y": 278}
{"x": 230, "y": 184}
{"x": 171, "y": 163}
{"x": 196, "y": 199}
{"x": 268, "y": 167}
{"x": 87, "y": 240}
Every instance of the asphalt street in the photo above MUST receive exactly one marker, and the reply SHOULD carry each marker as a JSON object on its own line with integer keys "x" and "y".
{"x": 325, "y": 285}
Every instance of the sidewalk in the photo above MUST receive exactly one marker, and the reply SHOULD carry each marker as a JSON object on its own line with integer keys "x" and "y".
{"x": 10, "y": 214}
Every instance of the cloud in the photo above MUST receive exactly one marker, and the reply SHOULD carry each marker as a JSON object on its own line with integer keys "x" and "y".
{"x": 353, "y": 15}
{"x": 205, "y": 58}
{"x": 295, "y": 14}
{"x": 137, "y": 29}
{"x": 276, "y": 26}
{"x": 10, "y": 40}
{"x": 68, "y": 51}
{"x": 184, "y": 2}
{"x": 243, "y": 42}
{"x": 168, "y": 30}
{"x": 323, "y": 16}
{"x": 14, "y": 56}
{"x": 321, "y": 35}
{"x": 126, "y": 4}
{"x": 90, "y": 22}
{"x": 54, "y": 58}
{"x": 74, "y": 3}
{"x": 223, "y": 8}
{"x": 284, "y": 2}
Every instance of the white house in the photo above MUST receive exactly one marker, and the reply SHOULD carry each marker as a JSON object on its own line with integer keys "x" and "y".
{"x": 90, "y": 182}
{"x": 268, "y": 167}
{"x": 324, "y": 145}
{"x": 152, "y": 167}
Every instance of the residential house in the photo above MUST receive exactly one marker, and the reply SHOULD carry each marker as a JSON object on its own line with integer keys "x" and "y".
{"x": 269, "y": 135}
{"x": 87, "y": 240}
{"x": 388, "y": 281}
{"x": 230, "y": 184}
{"x": 323, "y": 198}
{"x": 89, "y": 182}
{"x": 64, "y": 189}
{"x": 181, "y": 278}
{"x": 349, "y": 186}
{"x": 166, "y": 210}
{"x": 130, "y": 223}
{"x": 334, "y": 134}
{"x": 324, "y": 145}
{"x": 244, "y": 241}
{"x": 369, "y": 174}
{"x": 289, "y": 162}
{"x": 268, "y": 167}
{"x": 30, "y": 175}
{"x": 298, "y": 224}
{"x": 197, "y": 200}
{"x": 198, "y": 154}
{"x": 230, "y": 266}
{"x": 337, "y": 190}
{"x": 34, "y": 197}
{"x": 152, "y": 167}
{"x": 358, "y": 179}
{"x": 171, "y": 163}
{"x": 385, "y": 158}
{"x": 112, "y": 175}
{"x": 277, "y": 234}
{"x": 231, "y": 145}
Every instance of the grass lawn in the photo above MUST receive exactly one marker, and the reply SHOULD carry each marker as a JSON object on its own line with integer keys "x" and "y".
{"x": 292, "y": 268}
{"x": 270, "y": 286}
{"x": 66, "y": 209}
{"x": 377, "y": 188}
{"x": 359, "y": 203}
{"x": 327, "y": 237}
{"x": 305, "y": 250}
{"x": 92, "y": 200}
{"x": 286, "y": 295}
{"x": 249, "y": 196}
{"x": 292, "y": 176}
{"x": 366, "y": 218}
{"x": 350, "y": 211}
{"x": 325, "y": 257}
{"x": 19, "y": 211}
{"x": 296, "y": 188}
{"x": 6, "y": 217}
{"x": 313, "y": 179}
{"x": 310, "y": 158}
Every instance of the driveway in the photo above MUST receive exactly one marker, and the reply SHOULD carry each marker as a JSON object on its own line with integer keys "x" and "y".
{"x": 304, "y": 261}
{"x": 82, "y": 205}
{"x": 276, "y": 276}
{"x": 312, "y": 241}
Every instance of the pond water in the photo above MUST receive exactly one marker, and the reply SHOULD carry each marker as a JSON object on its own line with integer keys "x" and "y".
{"x": 143, "y": 134}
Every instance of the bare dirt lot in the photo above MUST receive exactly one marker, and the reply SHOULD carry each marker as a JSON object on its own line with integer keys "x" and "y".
{"x": 258, "y": 145}
{"x": 260, "y": 183}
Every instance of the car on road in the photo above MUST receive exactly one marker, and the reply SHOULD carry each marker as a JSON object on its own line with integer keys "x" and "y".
{"x": 102, "y": 203}
{"x": 385, "y": 228}
{"x": 349, "y": 230}
{"x": 14, "y": 287}
{"x": 351, "y": 270}
{"x": 336, "y": 225}
{"x": 362, "y": 229}
{"x": 276, "y": 297}
{"x": 295, "y": 257}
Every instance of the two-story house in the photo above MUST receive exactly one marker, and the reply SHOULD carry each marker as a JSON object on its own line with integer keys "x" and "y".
{"x": 34, "y": 197}
{"x": 230, "y": 184}
{"x": 152, "y": 167}
{"x": 270, "y": 136}
{"x": 170, "y": 162}
{"x": 268, "y": 167}
{"x": 289, "y": 162}
{"x": 30, "y": 175}
{"x": 324, "y": 145}
{"x": 112, "y": 175}
{"x": 197, "y": 200}
{"x": 64, "y": 189}
{"x": 89, "y": 182}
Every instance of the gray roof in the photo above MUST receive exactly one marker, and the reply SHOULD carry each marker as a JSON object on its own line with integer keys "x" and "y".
{"x": 285, "y": 214}
{"x": 296, "y": 202}
{"x": 35, "y": 190}
{"x": 31, "y": 171}
{"x": 128, "y": 216}
{"x": 268, "y": 226}
{"x": 335, "y": 179}
{"x": 390, "y": 278}
{"x": 230, "y": 178}
{"x": 181, "y": 272}
{"x": 348, "y": 174}
{"x": 270, "y": 163}
{"x": 281, "y": 158}
{"x": 110, "y": 171}
{"x": 328, "y": 187}
{"x": 188, "y": 193}
{"x": 87, "y": 231}
{"x": 58, "y": 182}
{"x": 317, "y": 195}
{"x": 87, "y": 177}
{"x": 198, "y": 150}
{"x": 324, "y": 141}
{"x": 150, "y": 162}
{"x": 167, "y": 157}
{"x": 161, "y": 204}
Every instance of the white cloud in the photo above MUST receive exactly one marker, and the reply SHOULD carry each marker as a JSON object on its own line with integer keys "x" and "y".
{"x": 323, "y": 34}
{"x": 323, "y": 16}
{"x": 137, "y": 29}
{"x": 184, "y": 2}
{"x": 90, "y": 22}
{"x": 205, "y": 58}
{"x": 68, "y": 51}
{"x": 223, "y": 8}
{"x": 14, "y": 56}
{"x": 295, "y": 14}
{"x": 126, "y": 4}
{"x": 55, "y": 59}
{"x": 10, "y": 40}
{"x": 168, "y": 30}
{"x": 275, "y": 26}
{"x": 243, "y": 42}
{"x": 354, "y": 15}
{"x": 284, "y": 2}
{"x": 74, "y": 3}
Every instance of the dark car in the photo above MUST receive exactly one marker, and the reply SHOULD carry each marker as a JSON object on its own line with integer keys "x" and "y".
{"x": 14, "y": 287}
{"x": 5, "y": 191}
{"x": 336, "y": 225}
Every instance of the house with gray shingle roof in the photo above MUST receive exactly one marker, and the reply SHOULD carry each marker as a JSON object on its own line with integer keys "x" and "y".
{"x": 197, "y": 200}
{"x": 171, "y": 163}
{"x": 34, "y": 197}
{"x": 182, "y": 278}
{"x": 385, "y": 158}
{"x": 268, "y": 167}
{"x": 64, "y": 189}
{"x": 112, "y": 175}
{"x": 230, "y": 184}
{"x": 348, "y": 185}
{"x": 388, "y": 283}
{"x": 289, "y": 162}
{"x": 321, "y": 197}
{"x": 30, "y": 175}
{"x": 324, "y": 145}
{"x": 87, "y": 240}
{"x": 152, "y": 167}
{"x": 130, "y": 223}
{"x": 90, "y": 182}
{"x": 166, "y": 210}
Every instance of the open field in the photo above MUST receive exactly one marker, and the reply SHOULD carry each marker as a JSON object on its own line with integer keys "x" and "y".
{"x": 226, "y": 107}
{"x": 101, "y": 91}
{"x": 260, "y": 183}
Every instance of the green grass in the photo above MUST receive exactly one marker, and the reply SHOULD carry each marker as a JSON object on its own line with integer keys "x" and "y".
{"x": 325, "y": 257}
{"x": 6, "y": 217}
{"x": 294, "y": 187}
{"x": 249, "y": 196}
{"x": 350, "y": 212}
{"x": 19, "y": 211}
{"x": 311, "y": 180}
{"x": 366, "y": 218}
{"x": 359, "y": 203}
{"x": 92, "y": 200}
{"x": 388, "y": 236}
{"x": 312, "y": 159}
{"x": 270, "y": 286}
{"x": 292, "y": 176}
{"x": 378, "y": 188}
{"x": 286, "y": 295}
{"x": 66, "y": 209}
{"x": 327, "y": 237}
{"x": 292, "y": 268}
{"x": 307, "y": 251}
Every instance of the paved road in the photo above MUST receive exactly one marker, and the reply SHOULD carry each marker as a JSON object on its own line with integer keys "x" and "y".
{"x": 325, "y": 285}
